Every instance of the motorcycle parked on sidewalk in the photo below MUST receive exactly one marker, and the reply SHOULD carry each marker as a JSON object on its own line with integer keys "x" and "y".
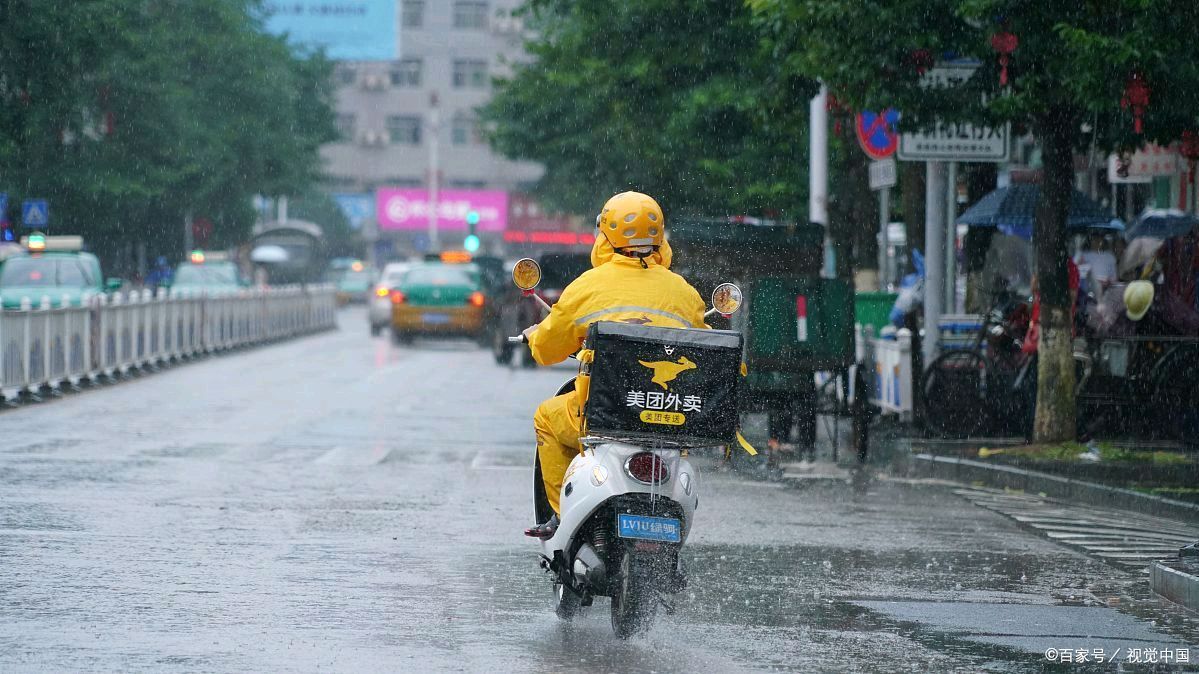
{"x": 628, "y": 499}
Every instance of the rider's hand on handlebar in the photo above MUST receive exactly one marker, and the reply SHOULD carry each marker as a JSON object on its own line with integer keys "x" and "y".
{"x": 527, "y": 332}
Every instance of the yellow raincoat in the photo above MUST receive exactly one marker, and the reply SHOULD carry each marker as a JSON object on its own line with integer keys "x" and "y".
{"x": 617, "y": 288}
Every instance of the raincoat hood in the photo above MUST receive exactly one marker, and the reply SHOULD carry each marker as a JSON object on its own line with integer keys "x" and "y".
{"x": 602, "y": 252}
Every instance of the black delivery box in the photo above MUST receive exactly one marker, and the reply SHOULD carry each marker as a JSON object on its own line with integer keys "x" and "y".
{"x": 669, "y": 385}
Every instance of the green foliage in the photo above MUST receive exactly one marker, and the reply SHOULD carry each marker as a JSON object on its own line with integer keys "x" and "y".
{"x": 671, "y": 97}
{"x": 317, "y": 206}
{"x": 1067, "y": 78}
{"x": 127, "y": 114}
{"x": 1070, "y": 55}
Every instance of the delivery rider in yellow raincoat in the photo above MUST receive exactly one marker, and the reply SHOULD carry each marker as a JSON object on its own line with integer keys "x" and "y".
{"x": 630, "y": 281}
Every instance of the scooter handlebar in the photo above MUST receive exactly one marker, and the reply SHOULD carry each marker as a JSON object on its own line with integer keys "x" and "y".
{"x": 517, "y": 339}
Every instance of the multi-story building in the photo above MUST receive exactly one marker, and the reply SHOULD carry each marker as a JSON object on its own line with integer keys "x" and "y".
{"x": 449, "y": 52}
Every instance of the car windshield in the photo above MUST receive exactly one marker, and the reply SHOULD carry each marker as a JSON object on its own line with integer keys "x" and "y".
{"x": 356, "y": 277}
{"x": 205, "y": 275}
{"x": 440, "y": 276}
{"x": 42, "y": 273}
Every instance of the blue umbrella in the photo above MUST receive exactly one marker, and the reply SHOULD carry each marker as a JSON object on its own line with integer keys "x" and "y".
{"x": 1012, "y": 209}
{"x": 1161, "y": 223}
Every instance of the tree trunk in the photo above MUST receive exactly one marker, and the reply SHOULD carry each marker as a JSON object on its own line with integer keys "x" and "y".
{"x": 857, "y": 209}
{"x": 911, "y": 182}
{"x": 1055, "y": 368}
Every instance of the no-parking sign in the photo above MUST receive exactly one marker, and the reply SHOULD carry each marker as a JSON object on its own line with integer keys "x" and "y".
{"x": 876, "y": 132}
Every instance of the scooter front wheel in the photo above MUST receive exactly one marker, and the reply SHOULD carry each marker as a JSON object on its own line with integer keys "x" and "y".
{"x": 634, "y": 597}
{"x": 568, "y": 602}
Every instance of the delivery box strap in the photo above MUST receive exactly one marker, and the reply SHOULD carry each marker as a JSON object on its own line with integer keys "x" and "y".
{"x": 745, "y": 445}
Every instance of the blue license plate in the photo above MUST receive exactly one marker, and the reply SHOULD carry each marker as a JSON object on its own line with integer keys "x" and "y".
{"x": 649, "y": 528}
{"x": 435, "y": 318}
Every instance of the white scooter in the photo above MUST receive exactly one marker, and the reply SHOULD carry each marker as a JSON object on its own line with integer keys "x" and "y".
{"x": 627, "y": 509}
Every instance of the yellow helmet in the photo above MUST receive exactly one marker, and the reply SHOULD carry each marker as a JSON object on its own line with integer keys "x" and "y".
{"x": 1137, "y": 298}
{"x": 632, "y": 220}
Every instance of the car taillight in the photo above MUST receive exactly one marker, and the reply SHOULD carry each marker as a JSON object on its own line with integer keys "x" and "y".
{"x": 397, "y": 297}
{"x": 381, "y": 291}
{"x": 646, "y": 468}
{"x": 476, "y": 299}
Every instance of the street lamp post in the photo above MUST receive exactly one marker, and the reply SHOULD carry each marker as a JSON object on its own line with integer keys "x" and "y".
{"x": 434, "y": 169}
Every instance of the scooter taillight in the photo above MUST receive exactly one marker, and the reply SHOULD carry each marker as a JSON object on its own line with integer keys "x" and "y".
{"x": 646, "y": 468}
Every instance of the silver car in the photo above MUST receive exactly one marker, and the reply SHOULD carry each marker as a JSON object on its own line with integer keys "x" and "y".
{"x": 379, "y": 313}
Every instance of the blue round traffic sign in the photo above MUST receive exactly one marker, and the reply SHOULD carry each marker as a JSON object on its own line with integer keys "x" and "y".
{"x": 876, "y": 132}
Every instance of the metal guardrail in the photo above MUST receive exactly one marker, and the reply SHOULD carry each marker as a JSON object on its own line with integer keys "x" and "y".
{"x": 48, "y": 347}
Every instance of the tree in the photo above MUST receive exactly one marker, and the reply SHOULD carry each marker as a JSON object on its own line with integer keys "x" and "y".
{"x": 1067, "y": 77}
{"x": 672, "y": 97}
{"x": 128, "y": 114}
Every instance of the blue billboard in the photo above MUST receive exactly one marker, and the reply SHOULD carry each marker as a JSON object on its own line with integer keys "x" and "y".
{"x": 349, "y": 30}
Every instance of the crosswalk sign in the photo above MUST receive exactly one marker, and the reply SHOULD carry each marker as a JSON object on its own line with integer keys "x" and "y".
{"x": 35, "y": 213}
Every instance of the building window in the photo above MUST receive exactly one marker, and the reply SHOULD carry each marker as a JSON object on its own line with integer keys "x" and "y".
{"x": 347, "y": 124}
{"x": 403, "y": 129}
{"x": 470, "y": 14}
{"x": 346, "y": 75}
{"x": 470, "y": 74}
{"x": 406, "y": 73}
{"x": 412, "y": 14}
{"x": 464, "y": 130}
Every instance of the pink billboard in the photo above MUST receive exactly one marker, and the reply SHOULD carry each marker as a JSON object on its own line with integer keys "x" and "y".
{"x": 408, "y": 209}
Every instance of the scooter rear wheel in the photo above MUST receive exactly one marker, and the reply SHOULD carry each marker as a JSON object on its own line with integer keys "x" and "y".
{"x": 634, "y": 597}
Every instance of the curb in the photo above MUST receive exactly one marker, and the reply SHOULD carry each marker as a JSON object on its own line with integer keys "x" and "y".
{"x": 969, "y": 470}
{"x": 1177, "y": 581}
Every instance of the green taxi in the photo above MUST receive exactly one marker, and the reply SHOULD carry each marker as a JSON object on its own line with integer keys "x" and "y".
{"x": 208, "y": 273}
{"x": 51, "y": 267}
{"x": 438, "y": 299}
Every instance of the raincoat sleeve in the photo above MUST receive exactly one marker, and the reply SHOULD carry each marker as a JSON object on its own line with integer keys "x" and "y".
{"x": 558, "y": 336}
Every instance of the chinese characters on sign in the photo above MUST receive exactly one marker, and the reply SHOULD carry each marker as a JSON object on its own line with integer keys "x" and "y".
{"x": 353, "y": 30}
{"x": 1143, "y": 165}
{"x": 657, "y": 400}
{"x": 1148, "y": 655}
{"x": 954, "y": 141}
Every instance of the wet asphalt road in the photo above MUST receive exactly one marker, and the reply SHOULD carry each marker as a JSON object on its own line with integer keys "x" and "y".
{"x": 337, "y": 503}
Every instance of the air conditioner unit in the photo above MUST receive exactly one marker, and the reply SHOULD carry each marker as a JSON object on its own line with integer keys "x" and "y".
{"x": 374, "y": 82}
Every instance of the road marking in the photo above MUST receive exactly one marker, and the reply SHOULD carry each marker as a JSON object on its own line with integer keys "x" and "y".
{"x": 1128, "y": 540}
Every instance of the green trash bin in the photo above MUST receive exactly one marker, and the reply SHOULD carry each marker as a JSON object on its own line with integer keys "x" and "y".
{"x": 873, "y": 309}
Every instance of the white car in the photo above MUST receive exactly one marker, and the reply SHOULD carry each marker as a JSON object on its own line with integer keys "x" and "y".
{"x": 379, "y": 313}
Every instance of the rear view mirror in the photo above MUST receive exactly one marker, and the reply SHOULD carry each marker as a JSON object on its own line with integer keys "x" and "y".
{"x": 526, "y": 274}
{"x": 726, "y": 299}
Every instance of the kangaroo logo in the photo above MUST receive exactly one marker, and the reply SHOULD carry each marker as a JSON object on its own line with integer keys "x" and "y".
{"x": 666, "y": 371}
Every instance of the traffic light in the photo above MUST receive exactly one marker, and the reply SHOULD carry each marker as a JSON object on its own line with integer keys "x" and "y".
{"x": 471, "y": 242}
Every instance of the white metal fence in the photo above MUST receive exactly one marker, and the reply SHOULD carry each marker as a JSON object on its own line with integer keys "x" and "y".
{"x": 44, "y": 347}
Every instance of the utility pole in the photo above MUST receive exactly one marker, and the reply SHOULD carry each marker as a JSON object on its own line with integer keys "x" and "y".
{"x": 934, "y": 262}
{"x": 188, "y": 241}
{"x": 951, "y": 238}
{"x": 818, "y": 172}
{"x": 434, "y": 169}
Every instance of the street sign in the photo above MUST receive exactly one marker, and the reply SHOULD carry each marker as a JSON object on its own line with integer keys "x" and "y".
{"x": 876, "y": 132}
{"x": 955, "y": 141}
{"x": 1148, "y": 162}
{"x": 358, "y": 208}
{"x": 35, "y": 213}
{"x": 883, "y": 174}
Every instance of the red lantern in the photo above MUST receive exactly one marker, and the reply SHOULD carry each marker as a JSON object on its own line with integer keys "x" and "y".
{"x": 1004, "y": 43}
{"x": 834, "y": 106}
{"x": 921, "y": 60}
{"x": 1136, "y": 96}
{"x": 1190, "y": 151}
